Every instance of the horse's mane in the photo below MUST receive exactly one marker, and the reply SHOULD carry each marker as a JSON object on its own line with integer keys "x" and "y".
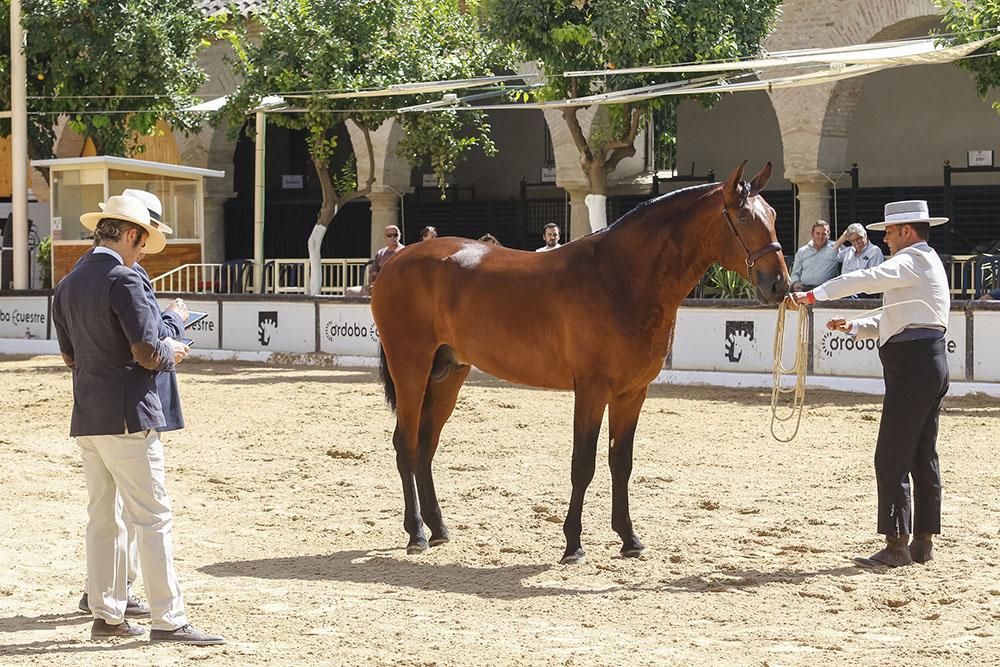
{"x": 674, "y": 202}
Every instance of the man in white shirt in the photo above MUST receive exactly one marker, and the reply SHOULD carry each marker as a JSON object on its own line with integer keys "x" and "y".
{"x": 551, "y": 235}
{"x": 910, "y": 330}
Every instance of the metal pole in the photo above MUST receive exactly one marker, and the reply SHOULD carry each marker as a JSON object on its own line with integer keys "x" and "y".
{"x": 258, "y": 204}
{"x": 947, "y": 207}
{"x": 19, "y": 146}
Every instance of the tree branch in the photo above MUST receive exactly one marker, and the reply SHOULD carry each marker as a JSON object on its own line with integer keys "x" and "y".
{"x": 361, "y": 192}
{"x": 625, "y": 147}
{"x": 575, "y": 131}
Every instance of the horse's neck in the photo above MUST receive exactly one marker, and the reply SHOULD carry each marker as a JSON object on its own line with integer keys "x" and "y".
{"x": 670, "y": 250}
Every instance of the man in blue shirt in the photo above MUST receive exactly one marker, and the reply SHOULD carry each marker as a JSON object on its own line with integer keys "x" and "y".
{"x": 815, "y": 262}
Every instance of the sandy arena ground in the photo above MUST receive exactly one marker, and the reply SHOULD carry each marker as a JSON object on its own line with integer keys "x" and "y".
{"x": 289, "y": 536}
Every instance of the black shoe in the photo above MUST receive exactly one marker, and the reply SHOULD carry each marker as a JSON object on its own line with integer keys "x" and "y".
{"x": 186, "y": 634}
{"x": 134, "y": 607}
{"x": 103, "y": 630}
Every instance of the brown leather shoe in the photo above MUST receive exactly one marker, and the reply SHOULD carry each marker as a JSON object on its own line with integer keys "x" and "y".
{"x": 103, "y": 630}
{"x": 922, "y": 548}
{"x": 895, "y": 554}
{"x": 186, "y": 634}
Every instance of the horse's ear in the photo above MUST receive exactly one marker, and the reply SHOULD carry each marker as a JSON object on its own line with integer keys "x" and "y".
{"x": 759, "y": 182}
{"x": 731, "y": 189}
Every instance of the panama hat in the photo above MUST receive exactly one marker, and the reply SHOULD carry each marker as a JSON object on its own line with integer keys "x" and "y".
{"x": 129, "y": 209}
{"x": 152, "y": 203}
{"x": 902, "y": 212}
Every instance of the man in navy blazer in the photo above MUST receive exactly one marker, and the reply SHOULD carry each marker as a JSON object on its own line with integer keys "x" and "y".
{"x": 108, "y": 335}
{"x": 170, "y": 324}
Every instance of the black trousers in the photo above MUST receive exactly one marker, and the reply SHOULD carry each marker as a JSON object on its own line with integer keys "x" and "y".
{"x": 916, "y": 380}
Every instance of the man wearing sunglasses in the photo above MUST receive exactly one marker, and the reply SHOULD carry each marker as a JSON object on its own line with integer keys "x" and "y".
{"x": 392, "y": 246}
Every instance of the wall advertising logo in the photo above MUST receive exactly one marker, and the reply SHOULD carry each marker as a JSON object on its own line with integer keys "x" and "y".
{"x": 267, "y": 325}
{"x": 739, "y": 334}
{"x": 835, "y": 343}
{"x": 334, "y": 329}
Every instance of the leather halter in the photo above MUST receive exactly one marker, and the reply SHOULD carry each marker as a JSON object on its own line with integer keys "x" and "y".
{"x": 752, "y": 257}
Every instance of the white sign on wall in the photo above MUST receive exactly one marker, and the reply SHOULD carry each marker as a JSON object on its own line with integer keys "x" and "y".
{"x": 205, "y": 333}
{"x": 836, "y": 353}
{"x": 548, "y": 175}
{"x": 741, "y": 340}
{"x": 986, "y": 334}
{"x": 269, "y": 325}
{"x": 24, "y": 317}
{"x": 348, "y": 330}
{"x": 291, "y": 182}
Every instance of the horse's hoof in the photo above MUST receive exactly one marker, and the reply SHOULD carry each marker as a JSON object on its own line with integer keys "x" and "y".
{"x": 633, "y": 548}
{"x": 416, "y": 548}
{"x": 438, "y": 541}
{"x": 578, "y": 557}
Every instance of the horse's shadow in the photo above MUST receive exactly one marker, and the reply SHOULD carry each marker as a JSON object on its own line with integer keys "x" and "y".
{"x": 43, "y": 622}
{"x": 501, "y": 583}
{"x": 381, "y": 567}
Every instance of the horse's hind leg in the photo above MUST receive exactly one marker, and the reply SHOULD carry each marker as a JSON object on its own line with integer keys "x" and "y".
{"x": 410, "y": 374}
{"x": 439, "y": 402}
{"x": 588, "y": 413}
{"x": 623, "y": 414}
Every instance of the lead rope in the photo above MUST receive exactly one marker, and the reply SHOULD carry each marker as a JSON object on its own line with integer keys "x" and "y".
{"x": 798, "y": 390}
{"x": 801, "y": 361}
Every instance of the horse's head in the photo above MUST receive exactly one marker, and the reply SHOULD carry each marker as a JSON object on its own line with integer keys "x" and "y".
{"x": 748, "y": 244}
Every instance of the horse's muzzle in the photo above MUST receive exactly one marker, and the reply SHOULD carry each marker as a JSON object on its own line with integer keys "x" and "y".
{"x": 771, "y": 289}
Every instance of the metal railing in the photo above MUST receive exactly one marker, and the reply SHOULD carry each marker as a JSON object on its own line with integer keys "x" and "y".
{"x": 228, "y": 278}
{"x": 280, "y": 276}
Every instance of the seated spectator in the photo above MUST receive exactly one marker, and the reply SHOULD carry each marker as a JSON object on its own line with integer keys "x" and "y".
{"x": 492, "y": 240}
{"x": 428, "y": 233}
{"x": 392, "y": 246}
{"x": 857, "y": 251}
{"x": 815, "y": 262}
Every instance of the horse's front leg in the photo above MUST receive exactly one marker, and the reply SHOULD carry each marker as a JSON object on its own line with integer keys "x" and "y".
{"x": 588, "y": 412}
{"x": 623, "y": 415}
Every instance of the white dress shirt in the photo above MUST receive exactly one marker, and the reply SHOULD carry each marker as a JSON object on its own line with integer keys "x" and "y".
{"x": 914, "y": 274}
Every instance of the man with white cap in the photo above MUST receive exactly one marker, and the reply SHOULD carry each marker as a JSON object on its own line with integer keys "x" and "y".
{"x": 108, "y": 335}
{"x": 910, "y": 330}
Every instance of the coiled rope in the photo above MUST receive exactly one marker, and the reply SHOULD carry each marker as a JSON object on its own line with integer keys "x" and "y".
{"x": 798, "y": 389}
{"x": 798, "y": 367}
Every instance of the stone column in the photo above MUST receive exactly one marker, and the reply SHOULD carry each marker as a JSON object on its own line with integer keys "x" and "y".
{"x": 579, "y": 219}
{"x": 814, "y": 203}
{"x": 385, "y": 212}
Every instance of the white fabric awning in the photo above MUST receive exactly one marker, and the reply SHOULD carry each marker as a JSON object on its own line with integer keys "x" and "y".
{"x": 792, "y": 69}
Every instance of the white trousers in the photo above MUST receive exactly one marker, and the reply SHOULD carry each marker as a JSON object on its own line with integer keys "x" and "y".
{"x": 127, "y": 472}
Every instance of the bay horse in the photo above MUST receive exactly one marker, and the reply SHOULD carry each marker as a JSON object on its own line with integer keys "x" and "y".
{"x": 595, "y": 315}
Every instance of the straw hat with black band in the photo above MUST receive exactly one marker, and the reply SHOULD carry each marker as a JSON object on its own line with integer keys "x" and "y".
{"x": 134, "y": 210}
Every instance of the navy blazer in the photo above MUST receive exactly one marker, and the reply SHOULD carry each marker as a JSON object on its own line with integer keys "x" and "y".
{"x": 170, "y": 325}
{"x": 108, "y": 334}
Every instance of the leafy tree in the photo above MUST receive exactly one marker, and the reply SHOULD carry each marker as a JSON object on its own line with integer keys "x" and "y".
{"x": 114, "y": 68}
{"x": 970, "y": 22}
{"x": 568, "y": 35}
{"x": 309, "y": 48}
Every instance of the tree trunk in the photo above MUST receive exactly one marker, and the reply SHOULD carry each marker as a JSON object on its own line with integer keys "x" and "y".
{"x": 327, "y": 211}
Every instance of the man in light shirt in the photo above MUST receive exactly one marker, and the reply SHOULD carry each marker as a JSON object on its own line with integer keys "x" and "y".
{"x": 857, "y": 252}
{"x": 910, "y": 330}
{"x": 551, "y": 235}
{"x": 815, "y": 262}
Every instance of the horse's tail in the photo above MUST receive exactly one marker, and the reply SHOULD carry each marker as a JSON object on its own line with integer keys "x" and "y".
{"x": 387, "y": 384}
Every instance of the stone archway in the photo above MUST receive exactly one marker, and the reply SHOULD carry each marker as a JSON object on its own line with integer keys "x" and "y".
{"x": 814, "y": 120}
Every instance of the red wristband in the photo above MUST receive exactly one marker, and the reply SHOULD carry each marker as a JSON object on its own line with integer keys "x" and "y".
{"x": 810, "y": 297}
